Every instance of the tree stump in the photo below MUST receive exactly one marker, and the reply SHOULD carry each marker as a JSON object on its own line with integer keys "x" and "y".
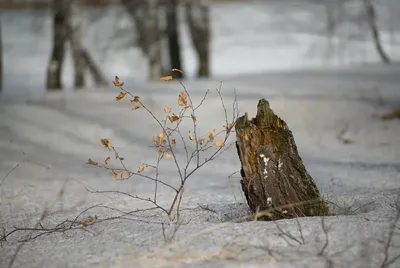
{"x": 275, "y": 182}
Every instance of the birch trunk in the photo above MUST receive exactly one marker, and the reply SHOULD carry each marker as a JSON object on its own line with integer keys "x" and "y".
{"x": 198, "y": 20}
{"x": 153, "y": 40}
{"x": 145, "y": 17}
{"x": 75, "y": 40}
{"x": 54, "y": 69}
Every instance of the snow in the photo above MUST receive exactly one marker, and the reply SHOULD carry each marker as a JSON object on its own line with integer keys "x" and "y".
{"x": 51, "y": 136}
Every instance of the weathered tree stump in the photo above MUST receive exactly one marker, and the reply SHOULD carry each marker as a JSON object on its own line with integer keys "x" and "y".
{"x": 275, "y": 182}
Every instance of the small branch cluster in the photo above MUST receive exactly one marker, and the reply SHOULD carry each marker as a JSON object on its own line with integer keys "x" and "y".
{"x": 167, "y": 140}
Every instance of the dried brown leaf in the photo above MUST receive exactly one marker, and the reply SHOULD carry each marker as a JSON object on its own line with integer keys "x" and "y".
{"x": 135, "y": 100}
{"x": 91, "y": 162}
{"x": 121, "y": 95}
{"x": 177, "y": 70}
{"x": 117, "y": 83}
{"x": 140, "y": 168}
{"x": 173, "y": 118}
{"x": 166, "y": 78}
{"x": 220, "y": 143}
{"x": 228, "y": 127}
{"x": 211, "y": 135}
{"x": 182, "y": 99}
{"x": 106, "y": 143}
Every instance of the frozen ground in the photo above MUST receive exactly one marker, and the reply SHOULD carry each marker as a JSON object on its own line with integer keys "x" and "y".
{"x": 45, "y": 140}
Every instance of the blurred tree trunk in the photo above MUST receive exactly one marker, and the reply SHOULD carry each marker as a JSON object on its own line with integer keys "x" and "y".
{"x": 275, "y": 182}
{"x": 1, "y": 59}
{"x": 198, "y": 19}
{"x": 75, "y": 38}
{"x": 135, "y": 8}
{"x": 98, "y": 76}
{"x": 173, "y": 36}
{"x": 372, "y": 23}
{"x": 145, "y": 16}
{"x": 54, "y": 69}
{"x": 153, "y": 39}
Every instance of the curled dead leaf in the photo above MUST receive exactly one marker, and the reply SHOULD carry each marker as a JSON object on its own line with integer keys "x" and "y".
{"x": 121, "y": 95}
{"x": 117, "y": 174}
{"x": 220, "y": 143}
{"x": 228, "y": 127}
{"x": 91, "y": 162}
{"x": 177, "y": 70}
{"x": 140, "y": 168}
{"x": 173, "y": 141}
{"x": 166, "y": 78}
{"x": 160, "y": 151}
{"x": 135, "y": 100}
{"x": 167, "y": 110}
{"x": 117, "y": 83}
{"x": 191, "y": 136}
{"x": 168, "y": 156}
{"x": 182, "y": 99}
{"x": 107, "y": 160}
{"x": 211, "y": 135}
{"x": 88, "y": 220}
{"x": 173, "y": 118}
{"x": 160, "y": 139}
{"x": 106, "y": 143}
{"x": 201, "y": 141}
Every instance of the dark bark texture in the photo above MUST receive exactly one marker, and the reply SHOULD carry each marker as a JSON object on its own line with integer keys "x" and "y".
{"x": 98, "y": 76}
{"x": 372, "y": 23}
{"x": 60, "y": 31}
{"x": 75, "y": 39}
{"x": 198, "y": 20}
{"x": 174, "y": 47}
{"x": 275, "y": 182}
{"x": 1, "y": 60}
{"x": 146, "y": 19}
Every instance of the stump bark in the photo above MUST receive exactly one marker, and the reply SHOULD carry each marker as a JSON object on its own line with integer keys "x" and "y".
{"x": 275, "y": 182}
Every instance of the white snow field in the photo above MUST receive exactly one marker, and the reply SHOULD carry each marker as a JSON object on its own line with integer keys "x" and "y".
{"x": 46, "y": 140}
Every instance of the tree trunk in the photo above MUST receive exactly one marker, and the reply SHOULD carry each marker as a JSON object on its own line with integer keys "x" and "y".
{"x": 198, "y": 19}
{"x": 98, "y": 77}
{"x": 174, "y": 47}
{"x": 1, "y": 59}
{"x": 136, "y": 10}
{"x": 75, "y": 38}
{"x": 145, "y": 17}
{"x": 153, "y": 40}
{"x": 54, "y": 69}
{"x": 372, "y": 23}
{"x": 275, "y": 182}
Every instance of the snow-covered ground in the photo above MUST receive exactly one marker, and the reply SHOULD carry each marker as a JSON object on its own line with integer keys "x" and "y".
{"x": 46, "y": 139}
